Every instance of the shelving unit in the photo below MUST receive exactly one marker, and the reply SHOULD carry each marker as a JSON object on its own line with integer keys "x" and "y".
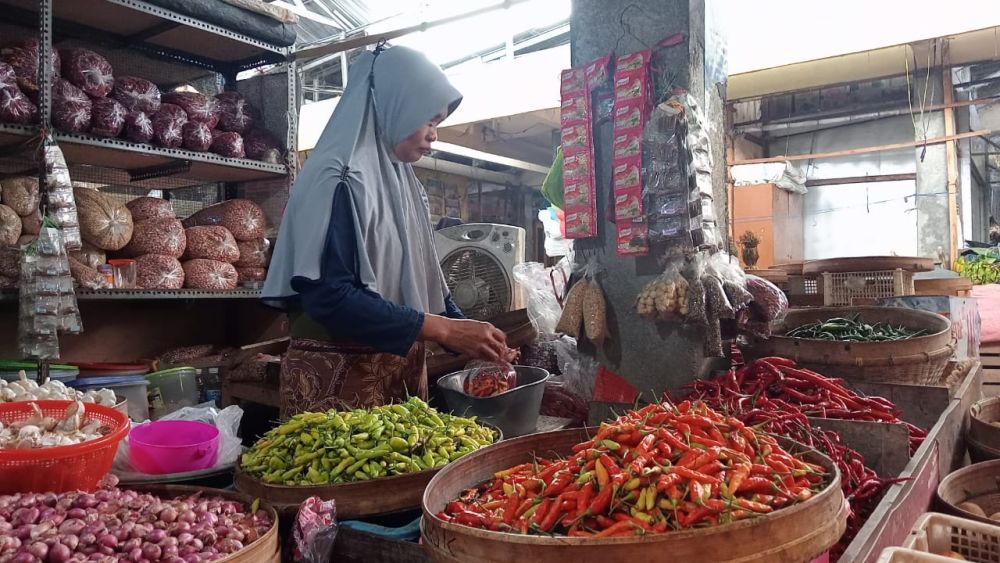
{"x": 141, "y": 38}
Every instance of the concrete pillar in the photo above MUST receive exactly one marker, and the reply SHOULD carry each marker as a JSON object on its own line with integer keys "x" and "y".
{"x": 933, "y": 222}
{"x": 653, "y": 358}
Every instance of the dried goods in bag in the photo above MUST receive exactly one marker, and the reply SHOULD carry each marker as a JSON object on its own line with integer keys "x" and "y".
{"x": 594, "y": 313}
{"x": 104, "y": 221}
{"x": 209, "y": 274}
{"x": 571, "y": 320}
{"x": 156, "y": 271}
{"x": 198, "y": 107}
{"x": 87, "y": 277}
{"x": 197, "y": 136}
{"x": 136, "y": 94}
{"x": 485, "y": 379}
{"x": 89, "y": 71}
{"x": 168, "y": 126}
{"x": 246, "y": 275}
{"x": 10, "y": 262}
{"x": 107, "y": 118}
{"x": 229, "y": 145}
{"x": 10, "y": 226}
{"x": 71, "y": 108}
{"x": 31, "y": 223}
{"x": 20, "y": 194}
{"x": 234, "y": 112}
{"x": 23, "y": 59}
{"x": 7, "y": 76}
{"x": 143, "y": 208}
{"x": 211, "y": 243}
{"x": 244, "y": 218}
{"x": 89, "y": 255}
{"x": 261, "y": 145}
{"x": 138, "y": 127}
{"x": 15, "y": 107}
{"x": 253, "y": 253}
{"x": 162, "y": 235}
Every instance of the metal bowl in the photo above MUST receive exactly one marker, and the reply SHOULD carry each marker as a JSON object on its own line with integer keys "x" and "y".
{"x": 514, "y": 412}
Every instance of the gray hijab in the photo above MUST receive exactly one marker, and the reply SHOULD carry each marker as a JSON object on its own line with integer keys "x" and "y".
{"x": 388, "y": 97}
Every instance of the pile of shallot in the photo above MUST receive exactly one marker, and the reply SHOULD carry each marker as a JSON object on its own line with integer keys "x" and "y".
{"x": 40, "y": 431}
{"x": 123, "y": 525}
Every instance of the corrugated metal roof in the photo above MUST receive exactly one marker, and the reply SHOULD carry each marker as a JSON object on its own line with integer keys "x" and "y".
{"x": 348, "y": 15}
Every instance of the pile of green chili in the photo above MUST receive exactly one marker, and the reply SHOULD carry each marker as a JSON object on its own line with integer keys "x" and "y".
{"x": 852, "y": 330}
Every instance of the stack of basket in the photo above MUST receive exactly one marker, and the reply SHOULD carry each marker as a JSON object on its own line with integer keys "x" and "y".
{"x": 863, "y": 280}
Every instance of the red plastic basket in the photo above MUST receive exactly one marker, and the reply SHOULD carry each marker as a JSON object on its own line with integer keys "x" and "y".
{"x": 61, "y": 468}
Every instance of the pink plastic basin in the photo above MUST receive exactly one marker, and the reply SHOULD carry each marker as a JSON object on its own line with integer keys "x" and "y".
{"x": 173, "y": 446}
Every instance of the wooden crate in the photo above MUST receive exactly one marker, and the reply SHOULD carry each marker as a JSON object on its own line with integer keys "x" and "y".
{"x": 989, "y": 356}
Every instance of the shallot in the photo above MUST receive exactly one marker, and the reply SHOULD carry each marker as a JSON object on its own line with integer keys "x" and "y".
{"x": 123, "y": 525}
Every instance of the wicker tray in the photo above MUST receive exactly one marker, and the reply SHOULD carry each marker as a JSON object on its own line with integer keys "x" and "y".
{"x": 267, "y": 548}
{"x": 793, "y": 534}
{"x": 919, "y": 360}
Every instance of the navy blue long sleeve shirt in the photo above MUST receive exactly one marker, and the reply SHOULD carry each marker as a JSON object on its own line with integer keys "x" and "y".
{"x": 344, "y": 307}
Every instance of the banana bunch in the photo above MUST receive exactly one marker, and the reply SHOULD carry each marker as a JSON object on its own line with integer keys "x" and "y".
{"x": 982, "y": 270}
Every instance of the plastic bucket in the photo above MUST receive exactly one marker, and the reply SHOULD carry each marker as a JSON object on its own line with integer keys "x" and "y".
{"x": 172, "y": 389}
{"x": 173, "y": 446}
{"x": 131, "y": 387}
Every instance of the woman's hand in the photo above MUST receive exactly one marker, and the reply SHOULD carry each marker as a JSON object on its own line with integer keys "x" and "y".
{"x": 475, "y": 339}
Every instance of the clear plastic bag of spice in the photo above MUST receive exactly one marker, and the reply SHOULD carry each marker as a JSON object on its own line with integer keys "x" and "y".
{"x": 692, "y": 271}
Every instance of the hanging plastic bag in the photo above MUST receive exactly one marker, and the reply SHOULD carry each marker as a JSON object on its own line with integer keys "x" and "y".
{"x": 227, "y": 420}
{"x": 540, "y": 293}
{"x": 315, "y": 530}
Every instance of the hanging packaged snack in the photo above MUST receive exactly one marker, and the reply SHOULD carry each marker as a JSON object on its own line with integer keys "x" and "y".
{"x": 61, "y": 202}
{"x": 633, "y": 238}
{"x": 575, "y": 138}
{"x": 574, "y": 110}
{"x": 627, "y": 182}
{"x": 572, "y": 82}
{"x": 578, "y": 194}
{"x": 665, "y": 298}
{"x": 627, "y": 145}
{"x": 597, "y": 73}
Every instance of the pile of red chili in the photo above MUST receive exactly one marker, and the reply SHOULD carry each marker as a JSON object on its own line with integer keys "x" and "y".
{"x": 772, "y": 394}
{"x": 659, "y": 468}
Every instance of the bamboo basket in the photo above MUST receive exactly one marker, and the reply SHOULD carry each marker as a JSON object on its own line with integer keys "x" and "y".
{"x": 975, "y": 483}
{"x": 793, "y": 534}
{"x": 360, "y": 499}
{"x": 267, "y": 548}
{"x": 919, "y": 360}
{"x": 983, "y": 438}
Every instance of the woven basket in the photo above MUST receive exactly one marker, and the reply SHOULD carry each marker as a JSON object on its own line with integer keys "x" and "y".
{"x": 919, "y": 360}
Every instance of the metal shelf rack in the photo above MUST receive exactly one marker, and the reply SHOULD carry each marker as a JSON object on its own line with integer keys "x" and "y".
{"x": 148, "y": 294}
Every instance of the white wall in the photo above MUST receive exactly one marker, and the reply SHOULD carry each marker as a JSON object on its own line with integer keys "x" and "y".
{"x": 857, "y": 219}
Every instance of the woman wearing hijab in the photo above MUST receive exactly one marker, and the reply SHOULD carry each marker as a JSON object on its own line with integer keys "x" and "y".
{"x": 355, "y": 264}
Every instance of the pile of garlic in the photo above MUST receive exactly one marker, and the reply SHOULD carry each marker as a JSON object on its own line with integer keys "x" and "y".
{"x": 25, "y": 389}
{"x": 40, "y": 431}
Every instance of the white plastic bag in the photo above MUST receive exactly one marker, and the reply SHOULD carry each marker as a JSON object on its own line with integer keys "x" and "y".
{"x": 540, "y": 290}
{"x": 226, "y": 420}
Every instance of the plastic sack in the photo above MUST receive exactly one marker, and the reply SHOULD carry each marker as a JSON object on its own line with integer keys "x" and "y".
{"x": 769, "y": 302}
{"x": 168, "y": 126}
{"x": 560, "y": 402}
{"x": 244, "y": 218}
{"x": 226, "y": 420}
{"x": 107, "y": 117}
{"x": 209, "y": 274}
{"x": 197, "y": 136}
{"x": 137, "y": 94}
{"x": 89, "y": 71}
{"x": 15, "y": 107}
{"x": 211, "y": 242}
{"x": 485, "y": 379}
{"x": 315, "y": 530}
{"x": 234, "y": 112}
{"x": 543, "y": 307}
{"x": 198, "y": 107}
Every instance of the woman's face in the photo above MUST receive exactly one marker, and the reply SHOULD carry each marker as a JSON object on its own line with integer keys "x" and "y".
{"x": 418, "y": 145}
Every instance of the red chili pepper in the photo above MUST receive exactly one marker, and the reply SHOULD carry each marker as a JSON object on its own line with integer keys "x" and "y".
{"x": 602, "y": 501}
{"x": 694, "y": 475}
{"x": 584, "y": 498}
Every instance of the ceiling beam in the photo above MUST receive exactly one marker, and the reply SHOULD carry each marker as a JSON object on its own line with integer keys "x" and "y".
{"x": 348, "y": 44}
{"x": 474, "y": 154}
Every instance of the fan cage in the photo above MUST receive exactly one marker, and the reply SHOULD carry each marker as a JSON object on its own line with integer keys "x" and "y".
{"x": 465, "y": 265}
